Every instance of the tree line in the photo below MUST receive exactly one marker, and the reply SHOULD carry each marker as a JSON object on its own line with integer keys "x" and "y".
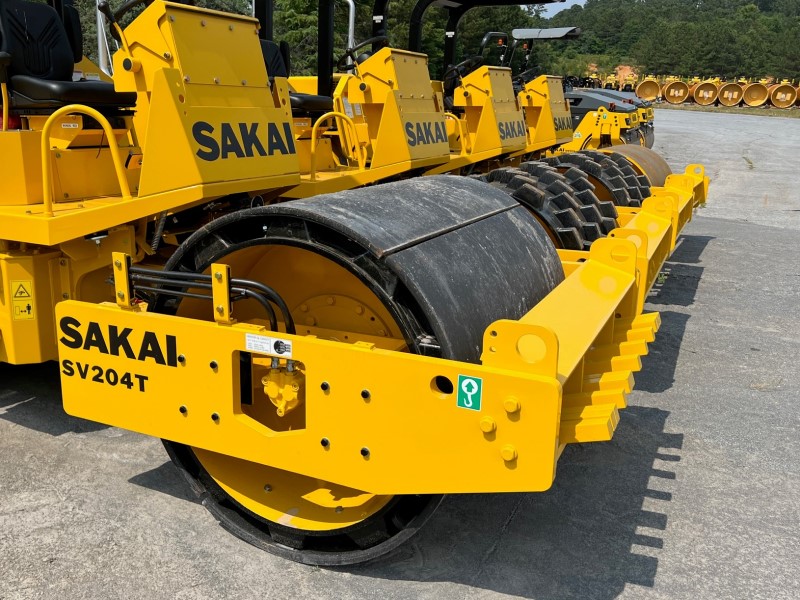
{"x": 725, "y": 38}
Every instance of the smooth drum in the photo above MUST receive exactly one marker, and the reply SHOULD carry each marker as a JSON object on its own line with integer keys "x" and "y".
{"x": 675, "y": 92}
{"x": 755, "y": 94}
{"x": 648, "y": 90}
{"x": 426, "y": 264}
{"x": 704, "y": 93}
{"x": 782, "y": 95}
{"x": 730, "y": 94}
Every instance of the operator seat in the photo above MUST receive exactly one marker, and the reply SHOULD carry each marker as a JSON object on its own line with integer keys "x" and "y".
{"x": 276, "y": 59}
{"x": 452, "y": 79}
{"x": 37, "y": 58}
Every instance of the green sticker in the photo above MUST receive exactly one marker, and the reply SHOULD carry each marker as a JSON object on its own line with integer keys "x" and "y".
{"x": 469, "y": 392}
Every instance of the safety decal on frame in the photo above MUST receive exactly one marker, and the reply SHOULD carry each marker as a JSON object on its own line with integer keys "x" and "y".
{"x": 22, "y": 300}
{"x": 262, "y": 344}
{"x": 470, "y": 392}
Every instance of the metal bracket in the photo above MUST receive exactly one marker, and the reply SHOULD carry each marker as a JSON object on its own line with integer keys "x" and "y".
{"x": 122, "y": 281}
{"x": 221, "y": 293}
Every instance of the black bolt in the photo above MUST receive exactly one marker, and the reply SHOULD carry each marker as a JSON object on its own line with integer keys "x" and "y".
{"x": 362, "y": 86}
{"x": 213, "y": 364}
{"x": 215, "y": 417}
{"x": 181, "y": 358}
{"x": 365, "y": 452}
{"x": 325, "y": 386}
{"x": 365, "y": 394}
{"x": 325, "y": 442}
{"x": 183, "y": 410}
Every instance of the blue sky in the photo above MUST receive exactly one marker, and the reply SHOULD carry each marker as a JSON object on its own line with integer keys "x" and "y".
{"x": 551, "y": 9}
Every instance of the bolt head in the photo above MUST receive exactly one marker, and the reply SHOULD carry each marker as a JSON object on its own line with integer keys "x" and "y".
{"x": 511, "y": 405}
{"x": 121, "y": 295}
{"x": 509, "y": 453}
{"x": 117, "y": 263}
{"x": 488, "y": 425}
{"x": 218, "y": 276}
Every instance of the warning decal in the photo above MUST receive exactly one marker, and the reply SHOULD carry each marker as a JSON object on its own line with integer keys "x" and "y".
{"x": 22, "y": 289}
{"x": 23, "y": 310}
{"x": 22, "y": 300}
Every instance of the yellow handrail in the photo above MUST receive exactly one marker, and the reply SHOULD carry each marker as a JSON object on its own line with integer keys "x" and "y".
{"x": 362, "y": 159}
{"x": 461, "y": 134}
{"x": 112, "y": 144}
{"x": 4, "y": 91}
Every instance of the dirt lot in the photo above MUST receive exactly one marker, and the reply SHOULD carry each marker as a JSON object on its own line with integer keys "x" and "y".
{"x": 698, "y": 495}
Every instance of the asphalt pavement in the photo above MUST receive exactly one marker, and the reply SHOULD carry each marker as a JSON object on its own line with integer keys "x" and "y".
{"x": 697, "y": 496}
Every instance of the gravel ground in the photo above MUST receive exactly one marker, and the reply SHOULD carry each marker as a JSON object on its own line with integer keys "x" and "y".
{"x": 696, "y": 496}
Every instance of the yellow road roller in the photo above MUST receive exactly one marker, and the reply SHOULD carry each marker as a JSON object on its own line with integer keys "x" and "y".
{"x": 321, "y": 370}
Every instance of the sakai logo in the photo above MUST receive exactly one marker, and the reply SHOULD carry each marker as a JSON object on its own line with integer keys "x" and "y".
{"x": 111, "y": 340}
{"x": 562, "y": 123}
{"x": 511, "y": 129}
{"x": 426, "y": 133}
{"x": 242, "y": 140}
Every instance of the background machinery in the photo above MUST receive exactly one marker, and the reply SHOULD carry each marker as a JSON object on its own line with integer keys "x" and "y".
{"x": 321, "y": 369}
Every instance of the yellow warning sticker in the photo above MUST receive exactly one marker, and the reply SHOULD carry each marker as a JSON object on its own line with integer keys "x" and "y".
{"x": 22, "y": 290}
{"x": 23, "y": 310}
{"x": 22, "y": 300}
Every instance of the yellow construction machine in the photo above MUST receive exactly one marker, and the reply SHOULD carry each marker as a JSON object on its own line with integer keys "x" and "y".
{"x": 583, "y": 119}
{"x": 321, "y": 370}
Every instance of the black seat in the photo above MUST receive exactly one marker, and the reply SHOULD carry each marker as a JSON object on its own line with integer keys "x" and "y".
{"x": 276, "y": 60}
{"x": 310, "y": 103}
{"x": 44, "y": 93}
{"x": 39, "y": 72}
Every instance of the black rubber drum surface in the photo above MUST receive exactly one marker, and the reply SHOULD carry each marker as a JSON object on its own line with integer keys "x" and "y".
{"x": 437, "y": 259}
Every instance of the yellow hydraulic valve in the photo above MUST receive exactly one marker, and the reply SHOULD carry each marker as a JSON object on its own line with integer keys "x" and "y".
{"x": 284, "y": 386}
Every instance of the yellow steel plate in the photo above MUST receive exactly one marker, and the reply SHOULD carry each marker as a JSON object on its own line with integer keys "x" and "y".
{"x": 419, "y": 439}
